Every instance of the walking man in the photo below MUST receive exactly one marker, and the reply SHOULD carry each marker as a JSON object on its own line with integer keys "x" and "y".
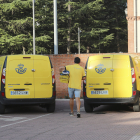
{"x": 74, "y": 87}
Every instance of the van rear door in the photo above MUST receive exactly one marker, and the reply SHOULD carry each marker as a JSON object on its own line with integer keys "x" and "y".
{"x": 99, "y": 77}
{"x": 19, "y": 77}
{"x": 122, "y": 76}
{"x": 42, "y": 77}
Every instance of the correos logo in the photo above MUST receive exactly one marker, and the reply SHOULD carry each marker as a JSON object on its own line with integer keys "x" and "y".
{"x": 100, "y": 69}
{"x": 20, "y": 70}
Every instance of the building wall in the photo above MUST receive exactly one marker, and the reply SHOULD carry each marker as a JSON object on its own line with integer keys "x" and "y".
{"x": 133, "y": 18}
{"x": 63, "y": 60}
{"x": 130, "y": 19}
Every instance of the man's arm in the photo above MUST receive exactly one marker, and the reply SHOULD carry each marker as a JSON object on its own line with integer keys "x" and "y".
{"x": 61, "y": 69}
{"x": 84, "y": 78}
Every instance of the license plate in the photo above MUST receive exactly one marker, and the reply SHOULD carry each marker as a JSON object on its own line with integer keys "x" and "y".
{"x": 100, "y": 92}
{"x": 19, "y": 93}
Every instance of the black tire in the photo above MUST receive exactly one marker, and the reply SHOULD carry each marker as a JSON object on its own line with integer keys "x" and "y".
{"x": 2, "y": 109}
{"x": 136, "y": 107}
{"x": 51, "y": 107}
{"x": 88, "y": 107}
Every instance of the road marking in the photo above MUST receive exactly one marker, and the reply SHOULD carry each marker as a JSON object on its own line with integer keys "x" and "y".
{"x": 24, "y": 120}
{"x": 5, "y": 116}
{"x": 135, "y": 138}
{"x": 13, "y": 118}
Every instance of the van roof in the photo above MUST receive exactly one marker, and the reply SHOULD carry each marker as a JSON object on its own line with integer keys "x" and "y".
{"x": 25, "y": 55}
{"x": 118, "y": 54}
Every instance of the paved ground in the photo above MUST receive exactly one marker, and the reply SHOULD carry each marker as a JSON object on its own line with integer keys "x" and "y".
{"x": 105, "y": 123}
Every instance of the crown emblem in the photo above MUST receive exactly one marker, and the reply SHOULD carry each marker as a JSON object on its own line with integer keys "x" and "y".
{"x": 21, "y": 65}
{"x": 100, "y": 69}
{"x": 20, "y": 70}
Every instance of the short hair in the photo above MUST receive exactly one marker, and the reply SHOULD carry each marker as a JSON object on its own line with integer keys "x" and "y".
{"x": 77, "y": 60}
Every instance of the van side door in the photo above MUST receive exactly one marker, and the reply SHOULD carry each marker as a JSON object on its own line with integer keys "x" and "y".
{"x": 42, "y": 77}
{"x": 122, "y": 76}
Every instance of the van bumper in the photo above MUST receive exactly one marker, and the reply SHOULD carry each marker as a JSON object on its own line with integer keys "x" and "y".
{"x": 107, "y": 101}
{"x": 37, "y": 101}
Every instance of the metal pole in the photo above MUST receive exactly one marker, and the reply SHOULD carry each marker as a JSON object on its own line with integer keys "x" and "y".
{"x": 78, "y": 40}
{"x": 33, "y": 28}
{"x": 55, "y": 28}
{"x": 136, "y": 25}
{"x": 99, "y": 45}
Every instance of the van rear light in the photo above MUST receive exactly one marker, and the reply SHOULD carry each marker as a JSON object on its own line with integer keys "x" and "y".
{"x": 133, "y": 75}
{"x": 3, "y": 79}
{"x": 3, "y": 76}
{"x": 53, "y": 79}
{"x": 134, "y": 92}
{"x": 53, "y": 76}
{"x": 3, "y": 94}
{"x": 84, "y": 93}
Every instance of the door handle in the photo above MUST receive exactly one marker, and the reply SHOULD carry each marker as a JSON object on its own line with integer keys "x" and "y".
{"x": 19, "y": 89}
{"x": 107, "y": 83}
{"x": 112, "y": 70}
{"x": 28, "y": 84}
{"x": 33, "y": 70}
{"x": 98, "y": 88}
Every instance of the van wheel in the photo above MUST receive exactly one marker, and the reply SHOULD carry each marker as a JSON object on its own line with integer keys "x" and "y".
{"x": 136, "y": 107}
{"x": 88, "y": 107}
{"x": 51, "y": 107}
{"x": 2, "y": 109}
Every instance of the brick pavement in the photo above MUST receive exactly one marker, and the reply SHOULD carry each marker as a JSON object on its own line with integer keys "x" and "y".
{"x": 105, "y": 123}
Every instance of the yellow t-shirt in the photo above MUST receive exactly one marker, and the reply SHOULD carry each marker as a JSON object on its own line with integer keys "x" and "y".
{"x": 76, "y": 74}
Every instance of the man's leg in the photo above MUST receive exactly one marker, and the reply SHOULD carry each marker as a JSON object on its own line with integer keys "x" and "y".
{"x": 71, "y": 104}
{"x": 78, "y": 103}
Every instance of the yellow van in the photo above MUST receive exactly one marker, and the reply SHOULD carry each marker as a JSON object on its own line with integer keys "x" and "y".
{"x": 112, "y": 79}
{"x": 27, "y": 80}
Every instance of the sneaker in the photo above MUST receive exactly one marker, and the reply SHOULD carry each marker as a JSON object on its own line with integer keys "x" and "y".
{"x": 78, "y": 115}
{"x": 71, "y": 114}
